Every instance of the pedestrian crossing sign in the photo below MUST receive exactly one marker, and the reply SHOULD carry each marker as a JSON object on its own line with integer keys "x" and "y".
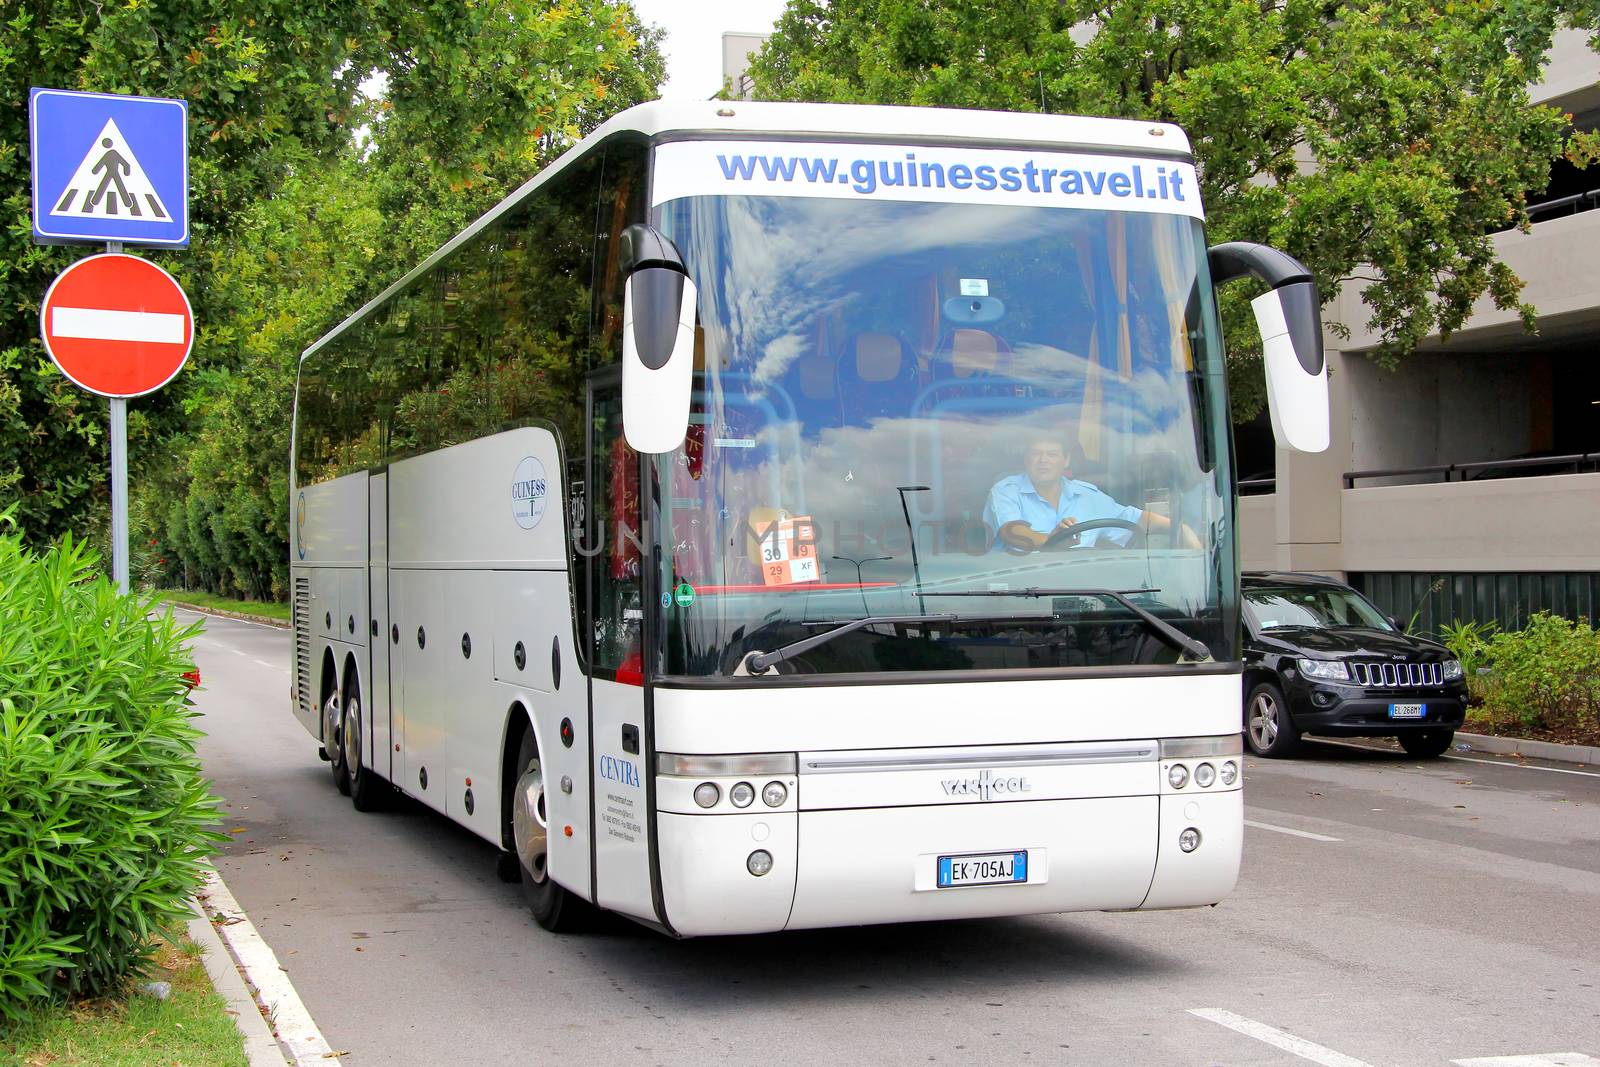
{"x": 109, "y": 168}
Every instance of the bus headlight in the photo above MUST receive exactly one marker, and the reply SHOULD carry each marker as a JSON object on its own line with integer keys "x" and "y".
{"x": 759, "y": 863}
{"x": 706, "y": 794}
{"x": 1204, "y": 775}
{"x": 1189, "y": 840}
{"x": 742, "y": 795}
{"x": 773, "y": 794}
{"x": 1230, "y": 773}
{"x": 1178, "y": 776}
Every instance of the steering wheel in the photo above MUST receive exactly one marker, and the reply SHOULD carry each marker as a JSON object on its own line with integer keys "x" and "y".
{"x": 1067, "y": 537}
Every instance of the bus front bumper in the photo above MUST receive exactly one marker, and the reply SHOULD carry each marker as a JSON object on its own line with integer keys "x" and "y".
{"x": 857, "y": 866}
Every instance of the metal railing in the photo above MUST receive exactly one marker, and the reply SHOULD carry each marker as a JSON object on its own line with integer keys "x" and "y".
{"x": 1257, "y": 486}
{"x": 1570, "y": 204}
{"x": 1576, "y": 463}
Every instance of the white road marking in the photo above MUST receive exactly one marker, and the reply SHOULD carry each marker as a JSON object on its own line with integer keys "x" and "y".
{"x": 268, "y": 980}
{"x": 1299, "y": 1046}
{"x": 1463, "y": 759}
{"x": 1285, "y": 830}
{"x": 98, "y": 324}
{"x": 210, "y": 642}
{"x": 1538, "y": 1059}
{"x": 1525, "y": 767}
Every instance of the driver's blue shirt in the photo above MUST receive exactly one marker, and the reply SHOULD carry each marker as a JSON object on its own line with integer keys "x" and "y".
{"x": 1014, "y": 499}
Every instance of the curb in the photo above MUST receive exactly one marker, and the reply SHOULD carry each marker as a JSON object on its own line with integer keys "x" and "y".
{"x": 260, "y": 620}
{"x": 260, "y": 1047}
{"x": 1587, "y": 755}
{"x": 272, "y": 996}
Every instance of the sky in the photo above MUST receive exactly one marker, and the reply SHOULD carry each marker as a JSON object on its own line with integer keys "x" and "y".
{"x": 693, "y": 45}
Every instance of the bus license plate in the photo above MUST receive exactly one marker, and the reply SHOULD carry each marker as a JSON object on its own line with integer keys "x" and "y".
{"x": 983, "y": 868}
{"x": 1407, "y": 711}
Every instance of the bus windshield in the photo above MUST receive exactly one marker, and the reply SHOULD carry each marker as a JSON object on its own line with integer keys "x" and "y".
{"x": 962, "y": 422}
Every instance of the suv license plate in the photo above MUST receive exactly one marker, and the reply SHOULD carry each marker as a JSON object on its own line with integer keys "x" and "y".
{"x": 982, "y": 868}
{"x": 1407, "y": 711}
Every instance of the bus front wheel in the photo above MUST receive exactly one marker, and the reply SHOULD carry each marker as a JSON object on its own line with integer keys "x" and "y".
{"x": 553, "y": 907}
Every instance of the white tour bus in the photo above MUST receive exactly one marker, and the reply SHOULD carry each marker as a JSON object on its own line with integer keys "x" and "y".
{"x": 693, "y": 526}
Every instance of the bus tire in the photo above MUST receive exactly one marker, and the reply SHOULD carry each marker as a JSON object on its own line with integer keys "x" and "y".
{"x": 366, "y": 791}
{"x": 333, "y": 740}
{"x": 552, "y": 906}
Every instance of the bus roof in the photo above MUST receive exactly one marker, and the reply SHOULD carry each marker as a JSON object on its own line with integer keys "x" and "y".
{"x": 717, "y": 118}
{"x": 710, "y": 119}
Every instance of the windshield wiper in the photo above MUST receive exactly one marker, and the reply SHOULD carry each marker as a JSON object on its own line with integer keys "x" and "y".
{"x": 1163, "y": 629}
{"x": 762, "y": 662}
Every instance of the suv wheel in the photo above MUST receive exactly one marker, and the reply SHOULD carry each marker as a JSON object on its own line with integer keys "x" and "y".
{"x": 1268, "y": 729}
{"x": 1427, "y": 744}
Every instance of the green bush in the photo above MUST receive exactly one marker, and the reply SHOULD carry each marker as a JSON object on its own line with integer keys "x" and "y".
{"x": 1468, "y": 642}
{"x": 1548, "y": 674}
{"x": 104, "y": 816}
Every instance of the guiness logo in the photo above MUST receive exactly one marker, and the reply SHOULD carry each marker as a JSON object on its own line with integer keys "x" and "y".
{"x": 530, "y": 491}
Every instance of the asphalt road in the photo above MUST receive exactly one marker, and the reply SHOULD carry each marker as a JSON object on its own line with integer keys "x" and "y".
{"x": 1389, "y": 912}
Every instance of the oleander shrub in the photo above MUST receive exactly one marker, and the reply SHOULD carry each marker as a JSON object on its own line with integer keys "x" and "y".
{"x": 105, "y": 818}
{"x": 1547, "y": 674}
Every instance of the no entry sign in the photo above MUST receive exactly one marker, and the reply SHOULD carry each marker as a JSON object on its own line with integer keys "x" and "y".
{"x": 117, "y": 325}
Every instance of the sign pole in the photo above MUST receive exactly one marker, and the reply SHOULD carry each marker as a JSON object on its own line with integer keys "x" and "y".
{"x": 119, "y": 492}
{"x": 119, "y": 480}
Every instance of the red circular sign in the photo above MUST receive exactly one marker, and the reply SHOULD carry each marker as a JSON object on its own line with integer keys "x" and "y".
{"x": 117, "y": 325}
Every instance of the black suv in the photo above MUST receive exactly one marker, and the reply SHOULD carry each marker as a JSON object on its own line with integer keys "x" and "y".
{"x": 1319, "y": 658}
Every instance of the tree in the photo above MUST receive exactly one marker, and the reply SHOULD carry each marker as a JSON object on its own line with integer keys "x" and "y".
{"x": 263, "y": 87}
{"x": 308, "y": 198}
{"x": 1380, "y": 141}
{"x": 475, "y": 100}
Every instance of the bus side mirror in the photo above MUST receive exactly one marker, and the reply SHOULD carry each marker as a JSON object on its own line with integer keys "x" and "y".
{"x": 1289, "y": 317}
{"x": 658, "y": 313}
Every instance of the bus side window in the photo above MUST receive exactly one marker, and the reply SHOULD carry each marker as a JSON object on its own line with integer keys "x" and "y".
{"x": 616, "y": 572}
{"x": 609, "y": 500}
{"x": 621, "y": 203}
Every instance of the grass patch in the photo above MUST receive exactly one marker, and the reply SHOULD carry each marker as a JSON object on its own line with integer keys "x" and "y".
{"x": 190, "y": 1029}
{"x": 266, "y": 609}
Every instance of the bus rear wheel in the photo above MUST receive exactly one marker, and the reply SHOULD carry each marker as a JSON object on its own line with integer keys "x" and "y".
{"x": 366, "y": 791}
{"x": 553, "y": 907}
{"x": 333, "y": 741}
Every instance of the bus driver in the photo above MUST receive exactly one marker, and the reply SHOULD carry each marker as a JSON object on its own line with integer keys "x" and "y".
{"x": 1025, "y": 510}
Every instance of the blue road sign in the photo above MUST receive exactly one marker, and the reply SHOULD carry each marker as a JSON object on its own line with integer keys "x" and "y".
{"x": 109, "y": 168}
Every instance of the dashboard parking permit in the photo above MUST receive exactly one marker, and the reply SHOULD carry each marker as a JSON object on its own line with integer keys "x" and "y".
{"x": 789, "y": 552}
